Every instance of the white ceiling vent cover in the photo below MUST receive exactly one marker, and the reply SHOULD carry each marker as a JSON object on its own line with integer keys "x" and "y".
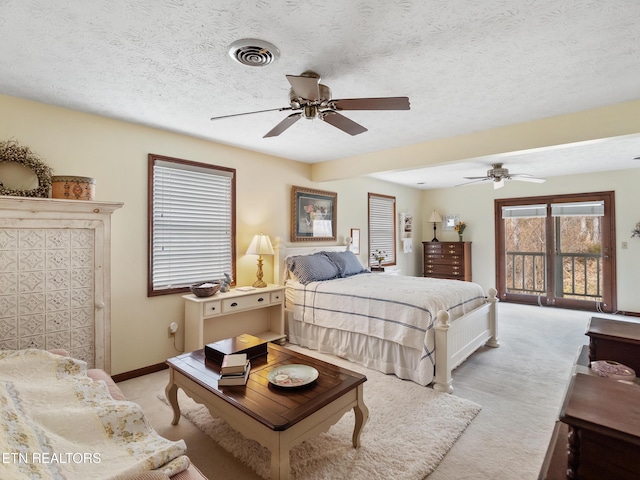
{"x": 253, "y": 52}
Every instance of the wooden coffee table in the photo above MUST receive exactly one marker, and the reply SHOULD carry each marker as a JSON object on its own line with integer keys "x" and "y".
{"x": 277, "y": 418}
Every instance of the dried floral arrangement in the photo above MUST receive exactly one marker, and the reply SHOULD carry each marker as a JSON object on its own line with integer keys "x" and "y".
{"x": 12, "y": 151}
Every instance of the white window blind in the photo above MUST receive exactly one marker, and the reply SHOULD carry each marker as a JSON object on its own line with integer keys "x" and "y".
{"x": 578, "y": 209}
{"x": 382, "y": 228}
{"x": 525, "y": 211}
{"x": 192, "y": 224}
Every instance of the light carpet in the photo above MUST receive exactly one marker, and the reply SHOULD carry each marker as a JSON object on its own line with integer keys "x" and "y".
{"x": 410, "y": 430}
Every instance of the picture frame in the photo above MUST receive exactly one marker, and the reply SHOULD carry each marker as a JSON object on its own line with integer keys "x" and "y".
{"x": 313, "y": 214}
{"x": 355, "y": 241}
{"x": 449, "y": 221}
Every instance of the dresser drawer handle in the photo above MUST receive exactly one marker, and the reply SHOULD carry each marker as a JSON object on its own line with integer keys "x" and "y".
{"x": 234, "y": 304}
{"x": 213, "y": 308}
{"x": 261, "y": 299}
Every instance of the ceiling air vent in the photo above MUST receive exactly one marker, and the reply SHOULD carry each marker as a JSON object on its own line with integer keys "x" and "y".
{"x": 253, "y": 52}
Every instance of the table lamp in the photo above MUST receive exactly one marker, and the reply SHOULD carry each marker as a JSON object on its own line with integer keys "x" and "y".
{"x": 260, "y": 245}
{"x": 435, "y": 218}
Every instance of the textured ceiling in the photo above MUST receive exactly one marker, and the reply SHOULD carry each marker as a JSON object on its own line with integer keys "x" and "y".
{"x": 465, "y": 65}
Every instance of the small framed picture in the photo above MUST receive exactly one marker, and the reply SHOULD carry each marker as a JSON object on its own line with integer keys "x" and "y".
{"x": 313, "y": 214}
{"x": 449, "y": 221}
{"x": 355, "y": 241}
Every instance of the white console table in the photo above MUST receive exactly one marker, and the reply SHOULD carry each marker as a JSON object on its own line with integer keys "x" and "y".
{"x": 258, "y": 312}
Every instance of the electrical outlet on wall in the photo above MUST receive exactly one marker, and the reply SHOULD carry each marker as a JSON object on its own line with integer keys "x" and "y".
{"x": 173, "y": 328}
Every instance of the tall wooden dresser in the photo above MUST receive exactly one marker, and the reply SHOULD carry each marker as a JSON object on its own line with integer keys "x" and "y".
{"x": 55, "y": 276}
{"x": 451, "y": 260}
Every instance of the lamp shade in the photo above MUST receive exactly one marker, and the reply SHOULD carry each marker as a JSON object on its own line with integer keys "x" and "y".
{"x": 260, "y": 245}
{"x": 435, "y": 217}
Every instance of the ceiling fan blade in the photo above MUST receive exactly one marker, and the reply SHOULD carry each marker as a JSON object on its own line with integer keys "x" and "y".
{"x": 522, "y": 178}
{"x": 384, "y": 103}
{"x": 305, "y": 87}
{"x": 283, "y": 125}
{"x": 343, "y": 123}
{"x": 251, "y": 113}
{"x": 478, "y": 179}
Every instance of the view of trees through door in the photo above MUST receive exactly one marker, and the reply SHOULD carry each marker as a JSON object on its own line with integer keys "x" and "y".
{"x": 557, "y": 250}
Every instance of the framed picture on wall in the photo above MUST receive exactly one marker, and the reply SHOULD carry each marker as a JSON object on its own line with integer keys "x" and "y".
{"x": 449, "y": 221}
{"x": 313, "y": 214}
{"x": 355, "y": 241}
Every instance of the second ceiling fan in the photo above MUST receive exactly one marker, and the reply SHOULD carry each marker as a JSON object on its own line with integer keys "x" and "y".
{"x": 497, "y": 174}
{"x": 310, "y": 99}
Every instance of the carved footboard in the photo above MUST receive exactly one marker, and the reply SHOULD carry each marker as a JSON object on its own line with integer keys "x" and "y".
{"x": 455, "y": 341}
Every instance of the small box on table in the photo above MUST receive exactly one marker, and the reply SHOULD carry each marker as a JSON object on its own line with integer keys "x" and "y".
{"x": 245, "y": 343}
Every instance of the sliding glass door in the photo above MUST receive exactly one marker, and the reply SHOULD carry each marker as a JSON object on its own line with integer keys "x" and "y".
{"x": 557, "y": 251}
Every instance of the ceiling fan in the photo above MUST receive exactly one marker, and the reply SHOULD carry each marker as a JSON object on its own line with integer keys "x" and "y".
{"x": 310, "y": 99}
{"x": 498, "y": 175}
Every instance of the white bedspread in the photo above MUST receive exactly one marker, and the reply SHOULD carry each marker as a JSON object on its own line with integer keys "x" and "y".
{"x": 57, "y": 423}
{"x": 400, "y": 309}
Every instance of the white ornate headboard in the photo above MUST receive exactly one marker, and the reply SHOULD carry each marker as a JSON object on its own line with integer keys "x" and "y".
{"x": 283, "y": 251}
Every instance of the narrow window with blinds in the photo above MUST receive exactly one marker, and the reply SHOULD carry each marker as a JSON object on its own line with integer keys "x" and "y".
{"x": 382, "y": 229}
{"x": 191, "y": 224}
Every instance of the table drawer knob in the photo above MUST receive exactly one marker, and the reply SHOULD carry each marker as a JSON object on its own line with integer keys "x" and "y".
{"x": 234, "y": 304}
{"x": 261, "y": 299}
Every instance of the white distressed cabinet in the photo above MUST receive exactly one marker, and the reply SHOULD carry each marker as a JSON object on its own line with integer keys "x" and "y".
{"x": 258, "y": 312}
{"x": 55, "y": 276}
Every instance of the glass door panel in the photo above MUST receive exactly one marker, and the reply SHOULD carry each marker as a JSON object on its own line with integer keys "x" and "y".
{"x": 578, "y": 254}
{"x": 526, "y": 256}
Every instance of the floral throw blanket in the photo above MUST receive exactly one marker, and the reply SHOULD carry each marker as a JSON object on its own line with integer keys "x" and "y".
{"x": 57, "y": 423}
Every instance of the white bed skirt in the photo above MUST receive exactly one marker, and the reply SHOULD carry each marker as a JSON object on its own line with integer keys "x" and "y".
{"x": 384, "y": 356}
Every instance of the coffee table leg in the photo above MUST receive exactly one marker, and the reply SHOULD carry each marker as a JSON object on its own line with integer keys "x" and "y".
{"x": 362, "y": 415}
{"x": 280, "y": 467}
{"x": 171, "y": 391}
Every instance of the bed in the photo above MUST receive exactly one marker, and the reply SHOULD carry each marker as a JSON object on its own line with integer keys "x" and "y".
{"x": 416, "y": 328}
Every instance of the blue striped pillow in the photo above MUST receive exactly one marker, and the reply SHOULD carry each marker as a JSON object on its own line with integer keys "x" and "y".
{"x": 347, "y": 263}
{"x": 312, "y": 268}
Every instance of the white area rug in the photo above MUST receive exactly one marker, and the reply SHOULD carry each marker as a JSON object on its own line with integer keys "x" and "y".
{"x": 410, "y": 430}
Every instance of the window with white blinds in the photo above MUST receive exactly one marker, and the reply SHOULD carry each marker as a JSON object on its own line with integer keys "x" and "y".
{"x": 192, "y": 227}
{"x": 382, "y": 228}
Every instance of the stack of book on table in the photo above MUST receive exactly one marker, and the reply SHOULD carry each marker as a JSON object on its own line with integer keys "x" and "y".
{"x": 234, "y": 370}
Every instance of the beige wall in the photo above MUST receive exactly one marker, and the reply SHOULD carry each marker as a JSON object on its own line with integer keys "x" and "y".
{"x": 115, "y": 154}
{"x": 475, "y": 204}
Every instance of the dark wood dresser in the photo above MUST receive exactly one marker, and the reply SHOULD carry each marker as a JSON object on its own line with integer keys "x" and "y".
{"x": 597, "y": 435}
{"x": 451, "y": 260}
{"x": 617, "y": 340}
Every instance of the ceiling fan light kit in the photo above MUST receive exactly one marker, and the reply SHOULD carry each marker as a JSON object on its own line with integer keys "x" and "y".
{"x": 497, "y": 174}
{"x": 310, "y": 99}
